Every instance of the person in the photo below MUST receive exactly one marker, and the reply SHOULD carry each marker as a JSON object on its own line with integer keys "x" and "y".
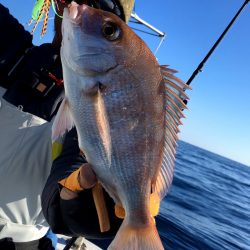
{"x": 31, "y": 89}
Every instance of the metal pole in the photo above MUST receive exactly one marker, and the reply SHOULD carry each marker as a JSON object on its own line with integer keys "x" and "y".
{"x": 70, "y": 243}
{"x": 198, "y": 69}
{"x": 137, "y": 18}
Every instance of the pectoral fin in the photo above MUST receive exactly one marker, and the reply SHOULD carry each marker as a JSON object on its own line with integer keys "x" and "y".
{"x": 63, "y": 121}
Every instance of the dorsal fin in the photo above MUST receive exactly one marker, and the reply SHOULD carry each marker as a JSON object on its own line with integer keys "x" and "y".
{"x": 174, "y": 96}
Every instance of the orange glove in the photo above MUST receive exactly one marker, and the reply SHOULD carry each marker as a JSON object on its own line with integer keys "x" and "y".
{"x": 82, "y": 178}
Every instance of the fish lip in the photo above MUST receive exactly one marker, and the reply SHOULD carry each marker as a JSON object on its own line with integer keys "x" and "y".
{"x": 74, "y": 12}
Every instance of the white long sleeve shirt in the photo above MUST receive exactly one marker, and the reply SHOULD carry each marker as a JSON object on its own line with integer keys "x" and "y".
{"x": 25, "y": 162}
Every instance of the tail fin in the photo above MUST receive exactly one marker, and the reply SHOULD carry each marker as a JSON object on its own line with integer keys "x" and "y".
{"x": 136, "y": 238}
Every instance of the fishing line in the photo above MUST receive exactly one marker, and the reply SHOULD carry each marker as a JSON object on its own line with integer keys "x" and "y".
{"x": 143, "y": 31}
{"x": 54, "y": 8}
{"x": 152, "y": 34}
{"x": 41, "y": 20}
{"x": 159, "y": 45}
{"x": 137, "y": 20}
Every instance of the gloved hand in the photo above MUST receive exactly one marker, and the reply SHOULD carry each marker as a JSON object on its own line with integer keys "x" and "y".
{"x": 83, "y": 178}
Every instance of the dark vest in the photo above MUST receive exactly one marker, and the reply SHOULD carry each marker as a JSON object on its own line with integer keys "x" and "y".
{"x": 31, "y": 74}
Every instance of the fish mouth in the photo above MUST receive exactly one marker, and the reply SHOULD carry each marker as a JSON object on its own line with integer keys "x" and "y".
{"x": 84, "y": 71}
{"x": 74, "y": 12}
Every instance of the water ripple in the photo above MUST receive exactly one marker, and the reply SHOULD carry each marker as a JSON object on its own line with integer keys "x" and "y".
{"x": 208, "y": 206}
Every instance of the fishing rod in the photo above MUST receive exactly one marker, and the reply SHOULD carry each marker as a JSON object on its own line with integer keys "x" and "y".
{"x": 200, "y": 66}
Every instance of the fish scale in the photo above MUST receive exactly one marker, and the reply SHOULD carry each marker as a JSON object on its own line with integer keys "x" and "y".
{"x": 126, "y": 109}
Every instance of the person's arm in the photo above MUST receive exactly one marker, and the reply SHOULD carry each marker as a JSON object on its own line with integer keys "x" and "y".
{"x": 72, "y": 213}
{"x": 28, "y": 72}
{"x": 13, "y": 43}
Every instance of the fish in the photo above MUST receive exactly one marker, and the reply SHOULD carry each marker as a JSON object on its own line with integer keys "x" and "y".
{"x": 126, "y": 109}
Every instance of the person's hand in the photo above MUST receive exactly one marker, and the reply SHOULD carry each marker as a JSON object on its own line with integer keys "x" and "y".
{"x": 86, "y": 179}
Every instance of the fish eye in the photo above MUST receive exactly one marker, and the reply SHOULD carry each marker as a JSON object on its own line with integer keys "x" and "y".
{"x": 111, "y": 31}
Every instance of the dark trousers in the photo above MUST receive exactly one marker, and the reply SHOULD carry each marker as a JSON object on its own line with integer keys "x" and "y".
{"x": 42, "y": 244}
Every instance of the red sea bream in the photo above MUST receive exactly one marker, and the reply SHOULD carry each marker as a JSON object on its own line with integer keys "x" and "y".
{"x": 126, "y": 109}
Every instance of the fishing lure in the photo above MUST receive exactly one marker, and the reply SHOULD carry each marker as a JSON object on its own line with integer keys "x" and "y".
{"x": 41, "y": 8}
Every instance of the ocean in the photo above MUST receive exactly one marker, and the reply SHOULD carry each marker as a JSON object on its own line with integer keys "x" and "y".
{"x": 208, "y": 206}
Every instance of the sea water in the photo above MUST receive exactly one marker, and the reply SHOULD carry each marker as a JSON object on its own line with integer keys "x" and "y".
{"x": 208, "y": 206}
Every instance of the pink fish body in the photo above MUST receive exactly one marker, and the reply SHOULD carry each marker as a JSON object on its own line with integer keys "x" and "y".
{"x": 126, "y": 109}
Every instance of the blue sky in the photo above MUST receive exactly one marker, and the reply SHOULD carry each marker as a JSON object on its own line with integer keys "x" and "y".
{"x": 218, "y": 118}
